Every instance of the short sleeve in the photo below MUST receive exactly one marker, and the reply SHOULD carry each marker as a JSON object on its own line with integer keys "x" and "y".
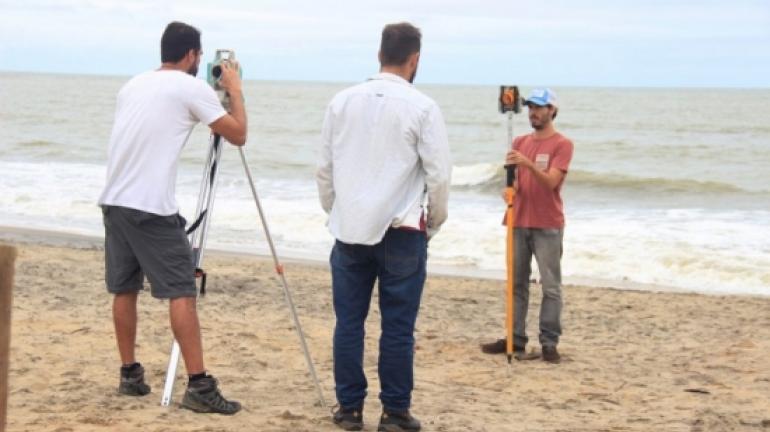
{"x": 562, "y": 155}
{"x": 204, "y": 103}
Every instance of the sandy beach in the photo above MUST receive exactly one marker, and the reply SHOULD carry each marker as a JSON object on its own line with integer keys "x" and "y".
{"x": 632, "y": 360}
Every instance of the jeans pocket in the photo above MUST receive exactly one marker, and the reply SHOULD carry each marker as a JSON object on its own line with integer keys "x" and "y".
{"x": 405, "y": 252}
{"x": 343, "y": 255}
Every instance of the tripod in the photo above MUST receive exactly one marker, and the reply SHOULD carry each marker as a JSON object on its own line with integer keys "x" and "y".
{"x": 198, "y": 234}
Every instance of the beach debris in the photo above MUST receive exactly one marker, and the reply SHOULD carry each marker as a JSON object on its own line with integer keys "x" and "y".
{"x": 287, "y": 415}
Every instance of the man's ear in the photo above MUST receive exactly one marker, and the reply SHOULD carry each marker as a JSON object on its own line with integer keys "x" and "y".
{"x": 414, "y": 59}
{"x": 554, "y": 111}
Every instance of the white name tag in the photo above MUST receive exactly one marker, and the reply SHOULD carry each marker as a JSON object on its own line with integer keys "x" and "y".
{"x": 541, "y": 161}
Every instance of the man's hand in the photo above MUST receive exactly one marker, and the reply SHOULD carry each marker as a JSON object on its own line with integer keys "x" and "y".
{"x": 549, "y": 178}
{"x": 232, "y": 126}
{"x": 504, "y": 192}
{"x": 230, "y": 79}
{"x": 513, "y": 157}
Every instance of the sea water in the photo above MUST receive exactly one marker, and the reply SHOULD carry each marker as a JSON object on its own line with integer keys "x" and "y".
{"x": 668, "y": 188}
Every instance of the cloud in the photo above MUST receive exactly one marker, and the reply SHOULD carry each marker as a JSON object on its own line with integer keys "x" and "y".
{"x": 577, "y": 42}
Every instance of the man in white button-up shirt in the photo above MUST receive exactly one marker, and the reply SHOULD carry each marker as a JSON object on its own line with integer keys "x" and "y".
{"x": 383, "y": 178}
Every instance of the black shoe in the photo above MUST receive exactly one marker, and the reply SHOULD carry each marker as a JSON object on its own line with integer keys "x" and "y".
{"x": 132, "y": 381}
{"x": 392, "y": 421}
{"x": 203, "y": 396}
{"x": 551, "y": 355}
{"x": 499, "y": 347}
{"x": 349, "y": 419}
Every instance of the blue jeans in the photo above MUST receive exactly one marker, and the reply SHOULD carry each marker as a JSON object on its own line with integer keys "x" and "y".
{"x": 546, "y": 245}
{"x": 398, "y": 261}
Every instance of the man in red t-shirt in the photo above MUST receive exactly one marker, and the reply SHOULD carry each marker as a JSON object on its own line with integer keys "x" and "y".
{"x": 542, "y": 160}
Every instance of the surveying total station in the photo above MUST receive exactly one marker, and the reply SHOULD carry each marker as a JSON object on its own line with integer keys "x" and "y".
{"x": 198, "y": 230}
{"x": 214, "y": 74}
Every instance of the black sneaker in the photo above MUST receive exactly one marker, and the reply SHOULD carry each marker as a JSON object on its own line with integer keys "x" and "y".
{"x": 499, "y": 347}
{"x": 349, "y": 419}
{"x": 551, "y": 355}
{"x": 392, "y": 421}
{"x": 203, "y": 396}
{"x": 132, "y": 381}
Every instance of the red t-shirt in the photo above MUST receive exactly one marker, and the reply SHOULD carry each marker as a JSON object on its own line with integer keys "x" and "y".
{"x": 537, "y": 206}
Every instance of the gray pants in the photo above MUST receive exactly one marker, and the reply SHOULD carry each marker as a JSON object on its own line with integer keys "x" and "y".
{"x": 546, "y": 245}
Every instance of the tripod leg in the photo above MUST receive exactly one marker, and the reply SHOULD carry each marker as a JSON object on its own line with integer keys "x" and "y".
{"x": 279, "y": 270}
{"x": 173, "y": 361}
{"x": 198, "y": 238}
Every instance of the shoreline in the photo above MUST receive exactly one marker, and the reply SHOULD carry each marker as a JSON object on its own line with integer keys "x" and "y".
{"x": 43, "y": 237}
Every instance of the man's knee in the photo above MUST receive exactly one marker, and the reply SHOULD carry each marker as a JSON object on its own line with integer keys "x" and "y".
{"x": 551, "y": 286}
{"x": 183, "y": 304}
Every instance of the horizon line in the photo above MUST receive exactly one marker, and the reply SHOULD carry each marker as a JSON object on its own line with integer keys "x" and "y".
{"x": 418, "y": 84}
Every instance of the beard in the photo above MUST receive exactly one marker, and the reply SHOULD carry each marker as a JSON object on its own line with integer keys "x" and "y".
{"x": 193, "y": 70}
{"x": 414, "y": 74}
{"x": 536, "y": 124}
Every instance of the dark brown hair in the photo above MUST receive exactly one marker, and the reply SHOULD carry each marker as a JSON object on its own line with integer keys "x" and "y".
{"x": 399, "y": 41}
{"x": 177, "y": 40}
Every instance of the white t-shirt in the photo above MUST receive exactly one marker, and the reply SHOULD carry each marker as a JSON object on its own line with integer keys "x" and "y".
{"x": 154, "y": 115}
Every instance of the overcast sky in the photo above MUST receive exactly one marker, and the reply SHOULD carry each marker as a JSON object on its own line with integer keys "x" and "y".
{"x": 648, "y": 43}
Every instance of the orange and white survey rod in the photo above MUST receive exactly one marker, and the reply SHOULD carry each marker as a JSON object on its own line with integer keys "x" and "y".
{"x": 510, "y": 223}
{"x": 509, "y": 102}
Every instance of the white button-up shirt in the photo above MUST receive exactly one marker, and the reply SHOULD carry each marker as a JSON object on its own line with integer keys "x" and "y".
{"x": 385, "y": 150}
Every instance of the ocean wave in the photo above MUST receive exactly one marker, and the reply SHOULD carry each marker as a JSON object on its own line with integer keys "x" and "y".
{"x": 480, "y": 174}
{"x": 491, "y": 177}
{"x": 37, "y": 143}
{"x": 626, "y": 182}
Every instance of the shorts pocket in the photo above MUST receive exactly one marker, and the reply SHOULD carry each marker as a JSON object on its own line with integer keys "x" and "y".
{"x": 145, "y": 219}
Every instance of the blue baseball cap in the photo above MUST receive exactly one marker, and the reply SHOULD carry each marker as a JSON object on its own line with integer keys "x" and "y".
{"x": 541, "y": 97}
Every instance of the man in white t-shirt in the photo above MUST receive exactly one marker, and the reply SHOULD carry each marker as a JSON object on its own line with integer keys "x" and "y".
{"x": 144, "y": 233}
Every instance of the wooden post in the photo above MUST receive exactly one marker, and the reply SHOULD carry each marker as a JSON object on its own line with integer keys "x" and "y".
{"x": 7, "y": 258}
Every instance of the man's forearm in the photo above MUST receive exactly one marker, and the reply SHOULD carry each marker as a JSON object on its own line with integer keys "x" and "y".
{"x": 549, "y": 179}
{"x": 238, "y": 109}
{"x": 438, "y": 201}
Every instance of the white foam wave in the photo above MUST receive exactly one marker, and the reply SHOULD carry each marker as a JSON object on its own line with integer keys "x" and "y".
{"x": 474, "y": 175}
{"x": 692, "y": 249}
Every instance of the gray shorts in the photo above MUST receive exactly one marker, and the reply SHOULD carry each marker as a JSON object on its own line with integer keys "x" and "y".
{"x": 138, "y": 244}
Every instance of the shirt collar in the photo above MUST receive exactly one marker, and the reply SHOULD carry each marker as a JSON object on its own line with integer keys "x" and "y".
{"x": 390, "y": 77}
